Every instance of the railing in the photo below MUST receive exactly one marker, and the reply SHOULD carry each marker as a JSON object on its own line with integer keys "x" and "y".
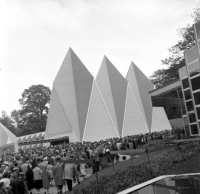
{"x": 152, "y": 181}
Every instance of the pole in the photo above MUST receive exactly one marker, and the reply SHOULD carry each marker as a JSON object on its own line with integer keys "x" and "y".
{"x": 132, "y": 160}
{"x": 94, "y": 167}
{"x": 113, "y": 167}
{"x": 149, "y": 163}
{"x": 181, "y": 151}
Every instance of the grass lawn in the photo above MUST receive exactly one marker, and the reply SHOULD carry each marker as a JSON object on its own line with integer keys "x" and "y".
{"x": 190, "y": 166}
{"x": 118, "y": 166}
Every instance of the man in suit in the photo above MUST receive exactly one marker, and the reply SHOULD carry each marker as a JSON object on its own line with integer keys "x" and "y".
{"x": 58, "y": 174}
{"x": 18, "y": 186}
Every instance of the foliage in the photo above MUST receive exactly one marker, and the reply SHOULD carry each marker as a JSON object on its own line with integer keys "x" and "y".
{"x": 176, "y": 58}
{"x": 8, "y": 122}
{"x": 136, "y": 174}
{"x": 32, "y": 117}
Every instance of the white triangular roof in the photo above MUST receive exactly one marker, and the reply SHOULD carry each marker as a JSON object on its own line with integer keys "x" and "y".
{"x": 23, "y": 138}
{"x": 159, "y": 120}
{"x": 39, "y": 136}
{"x": 112, "y": 86}
{"x": 140, "y": 86}
{"x": 134, "y": 122}
{"x": 6, "y": 136}
{"x": 33, "y": 137}
{"x": 71, "y": 91}
{"x": 28, "y": 138}
{"x": 43, "y": 135}
{"x": 19, "y": 139}
{"x": 99, "y": 124}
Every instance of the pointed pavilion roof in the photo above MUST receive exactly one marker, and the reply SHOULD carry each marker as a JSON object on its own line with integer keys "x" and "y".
{"x": 140, "y": 86}
{"x": 73, "y": 85}
{"x": 6, "y": 136}
{"x": 113, "y": 87}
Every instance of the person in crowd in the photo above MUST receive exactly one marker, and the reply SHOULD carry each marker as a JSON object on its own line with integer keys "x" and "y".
{"x": 58, "y": 174}
{"x": 24, "y": 167}
{"x": 50, "y": 170}
{"x": 18, "y": 186}
{"x": 2, "y": 188}
{"x": 70, "y": 173}
{"x": 95, "y": 156}
{"x": 46, "y": 179}
{"x": 5, "y": 180}
{"x": 30, "y": 179}
{"x": 82, "y": 168}
{"x": 37, "y": 172}
{"x": 41, "y": 164}
{"x": 45, "y": 162}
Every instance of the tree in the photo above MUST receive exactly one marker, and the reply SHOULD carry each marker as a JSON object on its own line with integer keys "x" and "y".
{"x": 32, "y": 117}
{"x": 8, "y": 122}
{"x": 176, "y": 58}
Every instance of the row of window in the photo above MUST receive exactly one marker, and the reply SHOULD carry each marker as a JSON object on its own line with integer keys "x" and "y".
{"x": 194, "y": 129}
{"x": 194, "y": 82}
{"x": 192, "y": 117}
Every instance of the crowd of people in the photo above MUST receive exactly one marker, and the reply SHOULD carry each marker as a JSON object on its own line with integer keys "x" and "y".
{"x": 37, "y": 168}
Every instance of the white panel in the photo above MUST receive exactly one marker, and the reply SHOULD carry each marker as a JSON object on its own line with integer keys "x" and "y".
{"x": 39, "y": 136}
{"x": 19, "y": 139}
{"x": 98, "y": 125}
{"x": 131, "y": 78}
{"x": 33, "y": 137}
{"x": 13, "y": 137}
{"x": 140, "y": 86}
{"x": 159, "y": 120}
{"x": 57, "y": 123}
{"x": 9, "y": 140}
{"x": 64, "y": 85}
{"x": 28, "y": 138}
{"x": 133, "y": 121}
{"x": 103, "y": 82}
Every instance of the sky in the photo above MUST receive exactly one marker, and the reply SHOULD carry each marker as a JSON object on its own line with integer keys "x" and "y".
{"x": 35, "y": 36}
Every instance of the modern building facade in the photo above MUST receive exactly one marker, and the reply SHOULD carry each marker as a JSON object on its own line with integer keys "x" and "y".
{"x": 187, "y": 87}
{"x": 88, "y": 109}
{"x": 190, "y": 84}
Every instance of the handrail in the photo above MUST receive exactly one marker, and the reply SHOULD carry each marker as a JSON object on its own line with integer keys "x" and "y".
{"x": 149, "y": 182}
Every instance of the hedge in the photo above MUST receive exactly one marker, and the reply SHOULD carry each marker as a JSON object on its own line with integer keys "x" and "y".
{"x": 136, "y": 174}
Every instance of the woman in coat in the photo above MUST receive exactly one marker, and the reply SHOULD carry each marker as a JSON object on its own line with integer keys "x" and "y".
{"x": 30, "y": 178}
{"x": 50, "y": 169}
{"x": 46, "y": 179}
{"x": 37, "y": 177}
{"x": 58, "y": 175}
{"x": 69, "y": 174}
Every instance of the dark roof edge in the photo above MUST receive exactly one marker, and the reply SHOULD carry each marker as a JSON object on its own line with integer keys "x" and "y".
{"x": 176, "y": 80}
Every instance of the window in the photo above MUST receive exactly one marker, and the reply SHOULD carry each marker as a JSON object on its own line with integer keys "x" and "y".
{"x": 194, "y": 129}
{"x": 194, "y": 69}
{"x": 197, "y": 98}
{"x": 183, "y": 110}
{"x": 195, "y": 83}
{"x": 187, "y": 94}
{"x": 186, "y": 124}
{"x": 198, "y": 112}
{"x": 192, "y": 118}
{"x": 185, "y": 83}
{"x": 189, "y": 106}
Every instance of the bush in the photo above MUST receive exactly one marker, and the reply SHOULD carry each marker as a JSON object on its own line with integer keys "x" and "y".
{"x": 133, "y": 175}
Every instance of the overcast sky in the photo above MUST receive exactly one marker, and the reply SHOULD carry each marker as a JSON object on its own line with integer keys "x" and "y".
{"x": 36, "y": 34}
